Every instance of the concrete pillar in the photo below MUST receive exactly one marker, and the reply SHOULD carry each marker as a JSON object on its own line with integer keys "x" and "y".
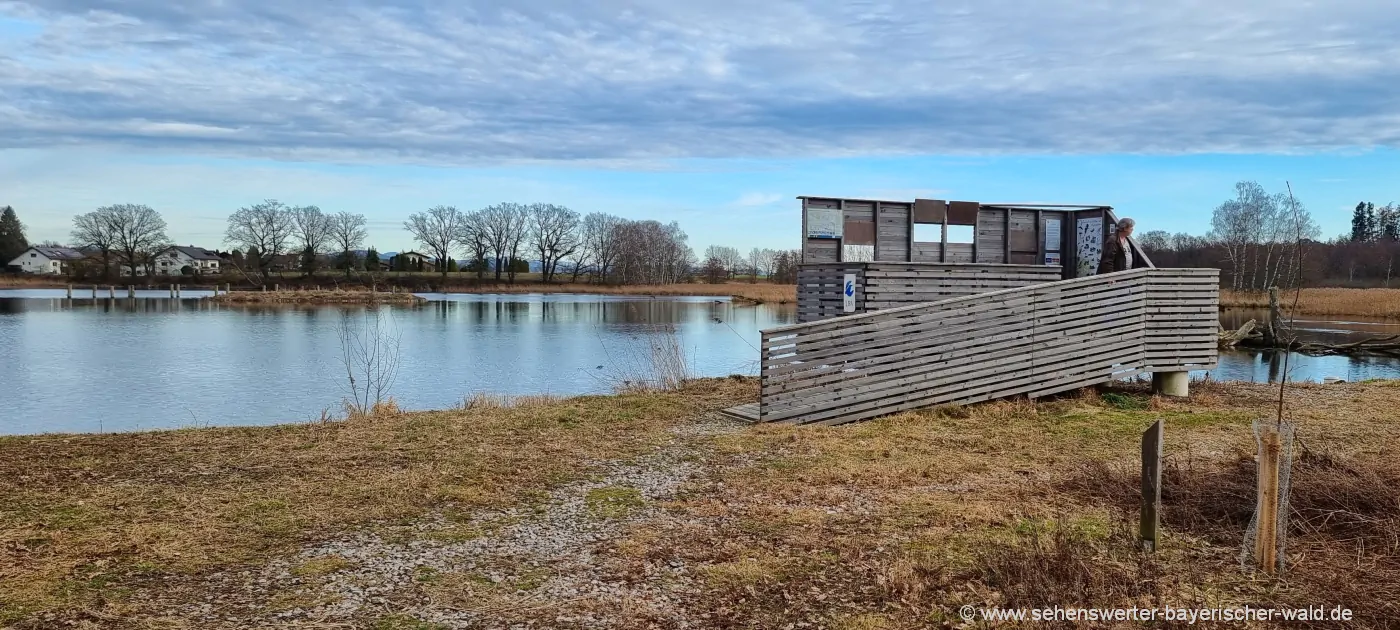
{"x": 1171, "y": 383}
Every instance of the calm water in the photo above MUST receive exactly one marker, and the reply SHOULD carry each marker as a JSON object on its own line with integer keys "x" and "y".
{"x": 118, "y": 365}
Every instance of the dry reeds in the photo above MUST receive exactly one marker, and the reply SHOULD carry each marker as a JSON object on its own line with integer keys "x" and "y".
{"x": 317, "y": 297}
{"x": 1379, "y": 303}
{"x": 654, "y": 361}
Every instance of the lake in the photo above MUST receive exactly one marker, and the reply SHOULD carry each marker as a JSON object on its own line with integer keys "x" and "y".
{"x": 106, "y": 365}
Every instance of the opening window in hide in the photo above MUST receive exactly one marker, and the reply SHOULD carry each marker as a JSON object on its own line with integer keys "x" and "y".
{"x": 858, "y": 241}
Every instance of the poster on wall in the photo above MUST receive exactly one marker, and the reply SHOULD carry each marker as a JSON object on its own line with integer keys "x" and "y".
{"x": 1052, "y": 235}
{"x": 848, "y": 294}
{"x": 1089, "y": 236}
{"x": 824, "y": 223}
{"x": 1052, "y": 259}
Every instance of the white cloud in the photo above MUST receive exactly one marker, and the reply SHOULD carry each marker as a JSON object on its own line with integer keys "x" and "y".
{"x": 482, "y": 83}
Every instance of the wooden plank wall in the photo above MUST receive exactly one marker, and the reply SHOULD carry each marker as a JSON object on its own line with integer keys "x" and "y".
{"x": 1035, "y": 340}
{"x": 885, "y": 285}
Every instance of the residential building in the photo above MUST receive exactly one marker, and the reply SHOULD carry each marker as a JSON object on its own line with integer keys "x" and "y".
{"x": 48, "y": 260}
{"x": 173, "y": 260}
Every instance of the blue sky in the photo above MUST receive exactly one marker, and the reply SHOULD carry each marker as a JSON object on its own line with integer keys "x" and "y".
{"x": 713, "y": 114}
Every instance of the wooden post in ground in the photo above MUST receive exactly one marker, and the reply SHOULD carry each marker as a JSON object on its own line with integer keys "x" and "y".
{"x": 94, "y": 292}
{"x": 177, "y": 290}
{"x": 276, "y": 287}
{"x": 112, "y": 291}
{"x": 1266, "y": 538}
{"x": 1271, "y": 332}
{"x": 131, "y": 291}
{"x": 70, "y": 291}
{"x": 1149, "y": 530}
{"x": 172, "y": 289}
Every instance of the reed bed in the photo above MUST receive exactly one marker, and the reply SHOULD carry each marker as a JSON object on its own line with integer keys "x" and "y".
{"x": 1381, "y": 303}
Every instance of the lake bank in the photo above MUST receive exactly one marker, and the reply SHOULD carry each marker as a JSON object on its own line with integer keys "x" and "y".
{"x": 1336, "y": 302}
{"x": 619, "y": 511}
{"x": 752, "y": 292}
{"x": 316, "y": 297}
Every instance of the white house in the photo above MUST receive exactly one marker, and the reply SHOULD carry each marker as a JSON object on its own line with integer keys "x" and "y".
{"x": 173, "y": 260}
{"x": 52, "y": 260}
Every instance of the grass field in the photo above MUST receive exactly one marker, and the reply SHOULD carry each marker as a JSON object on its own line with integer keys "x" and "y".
{"x": 894, "y": 523}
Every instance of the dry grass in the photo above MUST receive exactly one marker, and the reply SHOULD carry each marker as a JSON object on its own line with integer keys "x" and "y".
{"x": 1382, "y": 303}
{"x": 760, "y": 292}
{"x": 317, "y": 297}
{"x": 95, "y": 526}
{"x": 897, "y": 523}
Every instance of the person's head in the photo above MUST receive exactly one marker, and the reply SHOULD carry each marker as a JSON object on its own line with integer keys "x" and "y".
{"x": 1125, "y": 227}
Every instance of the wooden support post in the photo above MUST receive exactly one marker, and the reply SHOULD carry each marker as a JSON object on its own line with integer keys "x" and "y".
{"x": 70, "y": 291}
{"x": 131, "y": 291}
{"x": 276, "y": 287}
{"x": 94, "y": 292}
{"x": 177, "y": 290}
{"x": 1266, "y": 538}
{"x": 1151, "y": 487}
{"x": 172, "y": 289}
{"x": 112, "y": 291}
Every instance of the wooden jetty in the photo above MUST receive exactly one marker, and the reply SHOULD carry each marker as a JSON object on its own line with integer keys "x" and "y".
{"x": 1006, "y": 316}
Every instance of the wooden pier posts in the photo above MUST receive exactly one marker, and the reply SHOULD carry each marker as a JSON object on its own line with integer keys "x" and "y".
{"x": 70, "y": 291}
{"x": 131, "y": 291}
{"x": 112, "y": 291}
{"x": 172, "y": 290}
{"x": 94, "y": 292}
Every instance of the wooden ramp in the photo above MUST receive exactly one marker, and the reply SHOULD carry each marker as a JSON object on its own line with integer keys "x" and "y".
{"x": 747, "y": 412}
{"x": 1026, "y": 341}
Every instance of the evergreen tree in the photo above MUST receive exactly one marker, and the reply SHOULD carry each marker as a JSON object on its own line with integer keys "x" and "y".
{"x": 372, "y": 260}
{"x": 1364, "y": 226}
{"x": 451, "y": 265}
{"x": 12, "y": 241}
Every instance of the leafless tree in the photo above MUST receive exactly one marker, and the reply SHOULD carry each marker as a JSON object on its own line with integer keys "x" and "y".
{"x": 438, "y": 230}
{"x": 264, "y": 230}
{"x": 554, "y": 234}
{"x": 476, "y": 237}
{"x": 348, "y": 233}
{"x": 649, "y": 252}
{"x": 506, "y": 225}
{"x": 94, "y": 230}
{"x": 313, "y": 232}
{"x": 760, "y": 261}
{"x": 137, "y": 234}
{"x": 369, "y": 351}
{"x": 730, "y": 257}
{"x": 600, "y": 232}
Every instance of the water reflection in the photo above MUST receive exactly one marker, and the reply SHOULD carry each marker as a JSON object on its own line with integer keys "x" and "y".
{"x": 154, "y": 362}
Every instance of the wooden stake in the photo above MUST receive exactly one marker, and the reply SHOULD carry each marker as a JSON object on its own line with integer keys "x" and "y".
{"x": 94, "y": 292}
{"x": 1151, "y": 486}
{"x": 1266, "y": 538}
{"x": 70, "y": 291}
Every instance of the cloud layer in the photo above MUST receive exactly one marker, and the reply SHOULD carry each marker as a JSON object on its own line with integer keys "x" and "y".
{"x": 437, "y": 81}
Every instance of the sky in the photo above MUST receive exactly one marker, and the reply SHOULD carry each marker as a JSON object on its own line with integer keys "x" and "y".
{"x": 716, "y": 114}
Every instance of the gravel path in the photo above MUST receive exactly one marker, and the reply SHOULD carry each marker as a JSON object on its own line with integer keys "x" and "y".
{"x": 526, "y": 567}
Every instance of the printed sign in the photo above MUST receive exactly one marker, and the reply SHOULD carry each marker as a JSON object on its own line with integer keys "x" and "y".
{"x": 848, "y": 294}
{"x": 1052, "y": 235}
{"x": 1089, "y": 237}
{"x": 824, "y": 222}
{"x": 1052, "y": 259}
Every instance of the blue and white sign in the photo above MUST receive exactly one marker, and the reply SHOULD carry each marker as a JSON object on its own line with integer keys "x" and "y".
{"x": 848, "y": 294}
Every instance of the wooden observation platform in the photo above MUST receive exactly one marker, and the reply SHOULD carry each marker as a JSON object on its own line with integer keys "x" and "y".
{"x": 909, "y": 304}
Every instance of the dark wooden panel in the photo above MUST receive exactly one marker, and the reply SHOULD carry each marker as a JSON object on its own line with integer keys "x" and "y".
{"x": 858, "y": 233}
{"x": 963, "y": 212}
{"x": 930, "y": 210}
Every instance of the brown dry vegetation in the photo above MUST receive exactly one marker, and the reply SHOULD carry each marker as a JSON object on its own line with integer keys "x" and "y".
{"x": 316, "y": 297}
{"x": 1325, "y": 301}
{"x": 893, "y": 523}
{"x": 99, "y": 527}
{"x": 897, "y": 523}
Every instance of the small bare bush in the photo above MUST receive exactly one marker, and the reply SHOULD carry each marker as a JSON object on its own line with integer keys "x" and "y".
{"x": 657, "y": 362}
{"x": 369, "y": 347}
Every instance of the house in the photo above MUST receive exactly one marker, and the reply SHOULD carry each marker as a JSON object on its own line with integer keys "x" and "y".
{"x": 172, "y": 261}
{"x": 50, "y": 260}
{"x": 412, "y": 261}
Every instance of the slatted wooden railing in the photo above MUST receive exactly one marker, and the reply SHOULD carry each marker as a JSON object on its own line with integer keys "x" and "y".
{"x": 885, "y": 285}
{"x": 1032, "y": 341}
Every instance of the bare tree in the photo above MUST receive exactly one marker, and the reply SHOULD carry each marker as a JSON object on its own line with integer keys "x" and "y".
{"x": 476, "y": 237}
{"x": 759, "y": 262}
{"x": 600, "y": 232}
{"x": 554, "y": 234}
{"x": 94, "y": 230}
{"x": 730, "y": 257}
{"x": 505, "y": 225}
{"x": 137, "y": 234}
{"x": 313, "y": 231}
{"x": 370, "y": 354}
{"x": 263, "y": 231}
{"x": 438, "y": 230}
{"x": 649, "y": 252}
{"x": 348, "y": 233}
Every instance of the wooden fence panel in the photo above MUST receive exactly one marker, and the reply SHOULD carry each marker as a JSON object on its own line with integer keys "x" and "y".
{"x": 1034, "y": 340}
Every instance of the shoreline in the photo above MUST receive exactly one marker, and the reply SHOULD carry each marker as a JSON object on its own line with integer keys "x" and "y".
{"x": 251, "y": 526}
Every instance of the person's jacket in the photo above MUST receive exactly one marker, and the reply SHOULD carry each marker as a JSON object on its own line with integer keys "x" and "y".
{"x": 1114, "y": 257}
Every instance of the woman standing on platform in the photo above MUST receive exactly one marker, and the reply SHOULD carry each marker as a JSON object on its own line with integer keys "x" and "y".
{"x": 1118, "y": 253}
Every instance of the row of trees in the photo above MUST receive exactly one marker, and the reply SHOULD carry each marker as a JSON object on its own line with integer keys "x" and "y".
{"x": 723, "y": 262}
{"x": 1255, "y": 240}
